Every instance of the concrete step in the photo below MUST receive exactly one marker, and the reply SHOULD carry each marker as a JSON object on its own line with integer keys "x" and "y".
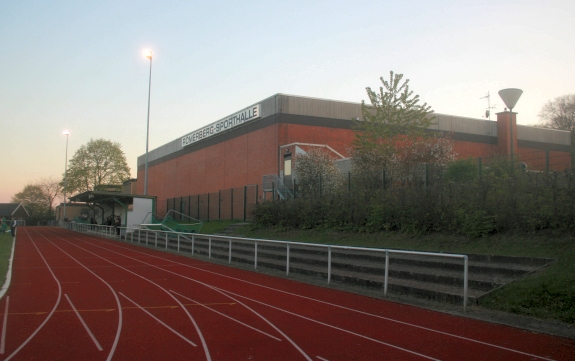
{"x": 430, "y": 277}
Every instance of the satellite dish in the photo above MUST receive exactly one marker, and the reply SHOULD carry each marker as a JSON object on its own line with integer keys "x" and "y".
{"x": 487, "y": 113}
{"x": 510, "y": 96}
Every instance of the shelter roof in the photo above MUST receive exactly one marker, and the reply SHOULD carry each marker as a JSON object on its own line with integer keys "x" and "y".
{"x": 105, "y": 197}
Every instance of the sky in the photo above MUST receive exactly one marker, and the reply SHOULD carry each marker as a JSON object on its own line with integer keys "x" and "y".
{"x": 78, "y": 65}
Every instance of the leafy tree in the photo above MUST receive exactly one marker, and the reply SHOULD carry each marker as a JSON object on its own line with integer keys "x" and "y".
{"x": 393, "y": 134}
{"x": 394, "y": 117}
{"x": 316, "y": 173}
{"x": 34, "y": 199}
{"x": 98, "y": 162}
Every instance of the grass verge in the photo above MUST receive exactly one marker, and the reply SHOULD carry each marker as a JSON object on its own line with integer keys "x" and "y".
{"x": 5, "y": 250}
{"x": 549, "y": 293}
{"x": 213, "y": 227}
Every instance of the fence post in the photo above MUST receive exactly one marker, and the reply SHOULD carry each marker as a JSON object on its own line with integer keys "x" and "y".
{"x": 328, "y": 264}
{"x": 465, "y": 279}
{"x": 230, "y": 255}
{"x": 256, "y": 254}
{"x": 178, "y": 242}
{"x": 294, "y": 188}
{"x": 479, "y": 167}
{"x": 245, "y": 201}
{"x": 210, "y": 247}
{"x": 146, "y": 238}
{"x": 385, "y": 279}
{"x": 166, "y": 240}
{"x": 383, "y": 175}
{"x": 287, "y": 258}
{"x": 348, "y": 182}
{"x": 193, "y": 243}
{"x": 156, "y": 242}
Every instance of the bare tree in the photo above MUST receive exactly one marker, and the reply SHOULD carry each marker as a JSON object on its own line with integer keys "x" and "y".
{"x": 52, "y": 189}
{"x": 559, "y": 113}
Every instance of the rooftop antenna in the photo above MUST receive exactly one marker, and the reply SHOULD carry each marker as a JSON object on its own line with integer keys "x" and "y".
{"x": 489, "y": 107}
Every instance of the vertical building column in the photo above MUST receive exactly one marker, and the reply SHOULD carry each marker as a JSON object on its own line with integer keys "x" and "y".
{"x": 506, "y": 133}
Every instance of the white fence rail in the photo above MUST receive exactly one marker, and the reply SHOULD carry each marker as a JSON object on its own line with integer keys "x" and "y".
{"x": 176, "y": 239}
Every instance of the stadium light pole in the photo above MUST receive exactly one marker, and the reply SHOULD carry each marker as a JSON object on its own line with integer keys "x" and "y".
{"x": 510, "y": 97}
{"x": 148, "y": 54}
{"x": 66, "y": 133}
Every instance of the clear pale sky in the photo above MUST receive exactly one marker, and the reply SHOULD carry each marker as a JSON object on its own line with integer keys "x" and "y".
{"x": 78, "y": 65}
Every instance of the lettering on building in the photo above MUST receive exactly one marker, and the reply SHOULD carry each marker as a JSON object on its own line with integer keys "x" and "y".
{"x": 227, "y": 123}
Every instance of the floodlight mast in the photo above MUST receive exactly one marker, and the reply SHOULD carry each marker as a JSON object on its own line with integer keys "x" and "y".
{"x": 148, "y": 54}
{"x": 510, "y": 97}
{"x": 66, "y": 133}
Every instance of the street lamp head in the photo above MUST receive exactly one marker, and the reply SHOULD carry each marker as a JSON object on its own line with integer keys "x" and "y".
{"x": 510, "y": 96}
{"x": 66, "y": 132}
{"x": 148, "y": 54}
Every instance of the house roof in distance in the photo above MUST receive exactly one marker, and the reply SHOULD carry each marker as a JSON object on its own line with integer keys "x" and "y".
{"x": 9, "y": 209}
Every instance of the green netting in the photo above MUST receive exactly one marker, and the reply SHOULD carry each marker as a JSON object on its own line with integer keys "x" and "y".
{"x": 80, "y": 219}
{"x": 173, "y": 221}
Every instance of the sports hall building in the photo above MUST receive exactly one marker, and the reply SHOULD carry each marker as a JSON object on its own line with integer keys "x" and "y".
{"x": 239, "y": 150}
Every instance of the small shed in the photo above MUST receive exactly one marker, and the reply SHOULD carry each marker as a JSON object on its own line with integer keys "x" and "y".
{"x": 132, "y": 208}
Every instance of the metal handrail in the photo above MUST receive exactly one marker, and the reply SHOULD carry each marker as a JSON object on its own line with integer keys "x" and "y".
{"x": 109, "y": 231}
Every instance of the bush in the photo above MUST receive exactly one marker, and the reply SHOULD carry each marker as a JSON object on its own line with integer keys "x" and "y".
{"x": 500, "y": 201}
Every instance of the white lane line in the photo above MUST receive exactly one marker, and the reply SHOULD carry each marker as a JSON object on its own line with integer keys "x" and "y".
{"x": 342, "y": 307}
{"x": 160, "y": 321}
{"x": 226, "y": 316}
{"x": 120, "y": 312}
{"x": 9, "y": 272}
{"x": 84, "y": 324}
{"x": 334, "y": 327}
{"x": 211, "y": 287}
{"x": 322, "y": 359}
{"x": 51, "y": 312}
{"x": 201, "y": 336}
{"x": 4, "y": 324}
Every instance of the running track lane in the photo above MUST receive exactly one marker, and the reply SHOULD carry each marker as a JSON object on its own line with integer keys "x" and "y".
{"x": 242, "y": 315}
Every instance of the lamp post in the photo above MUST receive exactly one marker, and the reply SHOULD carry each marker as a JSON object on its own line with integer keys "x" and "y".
{"x": 510, "y": 97}
{"x": 66, "y": 133}
{"x": 148, "y": 54}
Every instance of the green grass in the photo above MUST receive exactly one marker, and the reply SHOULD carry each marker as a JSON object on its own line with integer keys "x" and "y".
{"x": 213, "y": 227}
{"x": 5, "y": 250}
{"x": 549, "y": 293}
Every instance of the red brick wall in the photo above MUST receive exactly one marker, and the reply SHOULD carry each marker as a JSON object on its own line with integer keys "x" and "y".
{"x": 338, "y": 139}
{"x": 245, "y": 159}
{"x": 235, "y": 163}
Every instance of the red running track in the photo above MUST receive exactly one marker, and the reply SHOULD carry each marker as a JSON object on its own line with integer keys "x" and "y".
{"x": 80, "y": 297}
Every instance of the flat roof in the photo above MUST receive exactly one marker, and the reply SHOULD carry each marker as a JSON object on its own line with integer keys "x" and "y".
{"x": 103, "y": 197}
